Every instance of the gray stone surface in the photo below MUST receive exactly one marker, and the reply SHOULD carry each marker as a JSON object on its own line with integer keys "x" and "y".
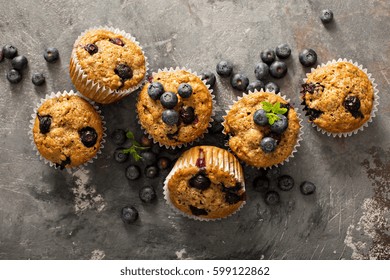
{"x": 52, "y": 214}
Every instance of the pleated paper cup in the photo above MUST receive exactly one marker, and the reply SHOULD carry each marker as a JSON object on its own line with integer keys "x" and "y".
{"x": 149, "y": 133}
{"x": 94, "y": 90}
{"x": 216, "y": 161}
{"x": 374, "y": 105}
{"x": 34, "y": 116}
{"x": 299, "y": 137}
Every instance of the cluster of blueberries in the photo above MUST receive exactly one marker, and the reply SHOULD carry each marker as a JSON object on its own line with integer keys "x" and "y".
{"x": 19, "y": 62}
{"x": 263, "y": 182}
{"x": 153, "y": 165}
{"x": 169, "y": 100}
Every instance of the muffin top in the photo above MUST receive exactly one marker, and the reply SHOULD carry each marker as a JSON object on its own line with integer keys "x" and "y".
{"x": 248, "y": 140}
{"x": 110, "y": 59}
{"x": 67, "y": 131}
{"x": 193, "y": 111}
{"x": 338, "y": 97}
{"x": 201, "y": 187}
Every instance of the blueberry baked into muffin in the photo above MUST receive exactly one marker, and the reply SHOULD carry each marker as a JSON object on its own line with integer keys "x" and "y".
{"x": 206, "y": 183}
{"x": 175, "y": 107}
{"x": 338, "y": 97}
{"x": 67, "y": 131}
{"x": 107, "y": 65}
{"x": 263, "y": 129}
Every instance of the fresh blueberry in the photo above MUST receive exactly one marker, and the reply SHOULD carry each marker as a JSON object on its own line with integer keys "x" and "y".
{"x": 285, "y": 182}
{"x": 10, "y": 51}
{"x": 268, "y": 144}
{"x": 283, "y": 51}
{"x": 187, "y": 115}
{"x": 88, "y": 136}
{"x": 272, "y": 87}
{"x": 261, "y": 184}
{"x": 308, "y": 57}
{"x": 120, "y": 156}
{"x": 307, "y": 188}
{"x": 216, "y": 126}
{"x": 261, "y": 70}
{"x": 91, "y": 48}
{"x": 19, "y": 62}
{"x": 260, "y": 117}
{"x": 1, "y": 55}
{"x": 129, "y": 214}
{"x": 273, "y": 172}
{"x": 267, "y": 56}
{"x": 239, "y": 82}
{"x": 272, "y": 198}
{"x": 280, "y": 125}
{"x": 124, "y": 71}
{"x": 118, "y": 137}
{"x": 184, "y": 90}
{"x": 51, "y": 54}
{"x": 156, "y": 149}
{"x": 169, "y": 100}
{"x": 133, "y": 172}
{"x": 224, "y": 68}
{"x": 200, "y": 182}
{"x": 256, "y": 85}
{"x": 278, "y": 69}
{"x": 151, "y": 171}
{"x": 208, "y": 77}
{"x": 148, "y": 158}
{"x": 147, "y": 194}
{"x": 155, "y": 90}
{"x": 38, "y": 79}
{"x": 14, "y": 76}
{"x": 163, "y": 163}
{"x": 326, "y": 16}
{"x": 44, "y": 123}
{"x": 117, "y": 41}
{"x": 170, "y": 117}
{"x": 146, "y": 142}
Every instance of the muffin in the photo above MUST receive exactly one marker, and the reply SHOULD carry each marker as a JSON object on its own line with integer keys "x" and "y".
{"x": 263, "y": 128}
{"x": 107, "y": 64}
{"x": 338, "y": 97}
{"x": 206, "y": 183}
{"x": 175, "y": 107}
{"x": 67, "y": 130}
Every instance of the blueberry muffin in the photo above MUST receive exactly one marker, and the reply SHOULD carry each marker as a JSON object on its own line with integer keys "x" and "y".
{"x": 175, "y": 107}
{"x": 67, "y": 131}
{"x": 338, "y": 97}
{"x": 263, "y": 129}
{"x": 107, "y": 64}
{"x": 206, "y": 183}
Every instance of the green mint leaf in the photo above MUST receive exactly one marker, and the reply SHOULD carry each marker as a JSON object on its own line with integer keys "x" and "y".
{"x": 276, "y": 107}
{"x": 135, "y": 155}
{"x": 282, "y": 111}
{"x": 266, "y": 106}
{"x": 272, "y": 118}
{"x": 130, "y": 135}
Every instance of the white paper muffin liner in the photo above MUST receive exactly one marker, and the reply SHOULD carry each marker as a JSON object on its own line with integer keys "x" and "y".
{"x": 215, "y": 157}
{"x": 171, "y": 69}
{"x": 34, "y": 115}
{"x": 299, "y": 138}
{"x": 94, "y": 90}
{"x": 374, "y": 105}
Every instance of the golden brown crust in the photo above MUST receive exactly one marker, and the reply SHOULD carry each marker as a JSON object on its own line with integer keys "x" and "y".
{"x": 150, "y": 111}
{"x": 69, "y": 115}
{"x": 338, "y": 80}
{"x": 213, "y": 199}
{"x": 246, "y": 135}
{"x": 100, "y": 67}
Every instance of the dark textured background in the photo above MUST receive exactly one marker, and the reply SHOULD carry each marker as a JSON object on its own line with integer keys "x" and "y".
{"x": 51, "y": 214}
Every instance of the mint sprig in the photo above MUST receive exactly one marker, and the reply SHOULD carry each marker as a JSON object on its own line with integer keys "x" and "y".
{"x": 272, "y": 111}
{"x": 134, "y": 148}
